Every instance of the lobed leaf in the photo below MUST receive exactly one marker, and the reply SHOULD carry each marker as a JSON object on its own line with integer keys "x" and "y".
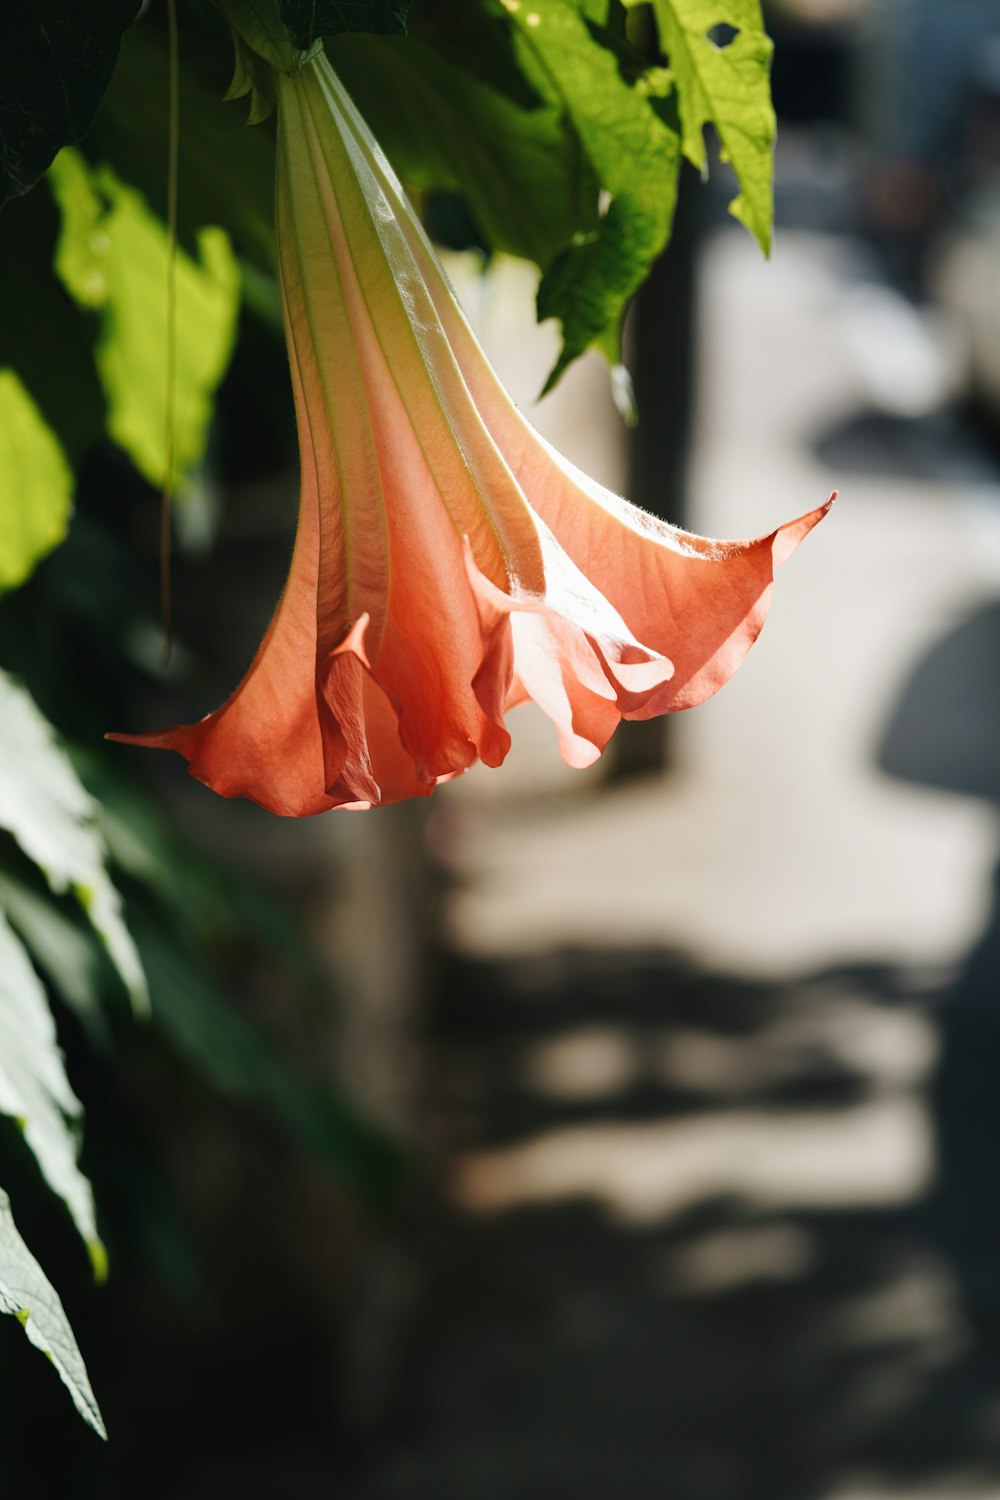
{"x": 27, "y": 1294}
{"x": 54, "y": 820}
{"x": 112, "y": 255}
{"x": 61, "y": 948}
{"x": 720, "y": 60}
{"x": 34, "y": 1089}
{"x": 635, "y": 154}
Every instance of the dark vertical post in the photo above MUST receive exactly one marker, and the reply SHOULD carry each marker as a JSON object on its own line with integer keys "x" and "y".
{"x": 660, "y": 351}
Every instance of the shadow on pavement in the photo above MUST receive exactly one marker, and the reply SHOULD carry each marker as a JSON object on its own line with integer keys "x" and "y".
{"x": 707, "y": 1238}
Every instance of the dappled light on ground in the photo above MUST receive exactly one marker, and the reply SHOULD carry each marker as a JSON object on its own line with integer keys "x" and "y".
{"x": 714, "y": 1053}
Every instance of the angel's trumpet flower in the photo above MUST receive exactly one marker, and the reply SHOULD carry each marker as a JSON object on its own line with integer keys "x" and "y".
{"x": 448, "y": 564}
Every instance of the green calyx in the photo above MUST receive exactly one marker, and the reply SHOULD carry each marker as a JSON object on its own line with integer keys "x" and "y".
{"x": 262, "y": 43}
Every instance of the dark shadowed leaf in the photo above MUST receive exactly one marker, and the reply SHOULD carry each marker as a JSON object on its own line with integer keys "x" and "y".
{"x": 226, "y": 171}
{"x": 56, "y": 60}
{"x": 44, "y": 336}
{"x": 527, "y": 183}
{"x": 309, "y": 19}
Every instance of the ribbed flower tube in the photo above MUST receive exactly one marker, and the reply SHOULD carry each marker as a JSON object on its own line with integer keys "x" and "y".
{"x": 448, "y": 563}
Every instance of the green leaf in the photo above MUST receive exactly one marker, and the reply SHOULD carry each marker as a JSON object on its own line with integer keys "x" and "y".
{"x": 726, "y": 84}
{"x": 54, "y": 820}
{"x": 635, "y": 154}
{"x": 258, "y": 24}
{"x": 113, "y": 255}
{"x": 309, "y": 19}
{"x": 61, "y": 948}
{"x": 27, "y": 1294}
{"x": 36, "y": 484}
{"x": 56, "y": 60}
{"x": 524, "y": 178}
{"x": 34, "y": 1089}
{"x": 476, "y": 38}
{"x": 253, "y": 77}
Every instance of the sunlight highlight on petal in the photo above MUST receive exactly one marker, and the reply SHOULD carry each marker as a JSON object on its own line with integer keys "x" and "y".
{"x": 448, "y": 563}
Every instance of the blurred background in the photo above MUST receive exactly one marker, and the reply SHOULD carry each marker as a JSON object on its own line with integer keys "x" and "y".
{"x": 622, "y": 1133}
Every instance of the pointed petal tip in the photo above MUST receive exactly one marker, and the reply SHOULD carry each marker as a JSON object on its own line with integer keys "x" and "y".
{"x": 164, "y": 739}
{"x": 788, "y": 537}
{"x": 355, "y": 641}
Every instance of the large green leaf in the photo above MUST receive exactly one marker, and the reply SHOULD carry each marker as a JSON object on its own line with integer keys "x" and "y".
{"x": 36, "y": 484}
{"x": 309, "y": 19}
{"x": 56, "y": 60}
{"x": 526, "y": 181}
{"x": 635, "y": 154}
{"x": 26, "y": 1292}
{"x": 54, "y": 820}
{"x": 724, "y": 80}
{"x": 34, "y": 1089}
{"x": 476, "y": 38}
{"x": 113, "y": 255}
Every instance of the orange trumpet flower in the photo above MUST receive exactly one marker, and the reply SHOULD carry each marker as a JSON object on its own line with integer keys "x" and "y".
{"x": 448, "y": 563}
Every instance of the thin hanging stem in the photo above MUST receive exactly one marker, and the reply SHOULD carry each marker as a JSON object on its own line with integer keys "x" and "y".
{"x": 173, "y": 134}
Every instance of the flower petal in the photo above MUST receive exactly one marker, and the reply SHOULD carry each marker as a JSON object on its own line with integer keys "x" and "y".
{"x": 699, "y": 602}
{"x": 448, "y": 563}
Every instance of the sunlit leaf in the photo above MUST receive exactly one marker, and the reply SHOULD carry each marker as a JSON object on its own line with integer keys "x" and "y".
{"x": 60, "y": 946}
{"x": 34, "y": 1089}
{"x": 36, "y": 484}
{"x": 26, "y": 1292}
{"x": 635, "y": 154}
{"x": 54, "y": 820}
{"x": 720, "y": 59}
{"x": 113, "y": 255}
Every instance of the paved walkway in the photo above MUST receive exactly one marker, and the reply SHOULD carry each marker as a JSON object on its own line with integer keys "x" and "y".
{"x": 714, "y": 1051}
